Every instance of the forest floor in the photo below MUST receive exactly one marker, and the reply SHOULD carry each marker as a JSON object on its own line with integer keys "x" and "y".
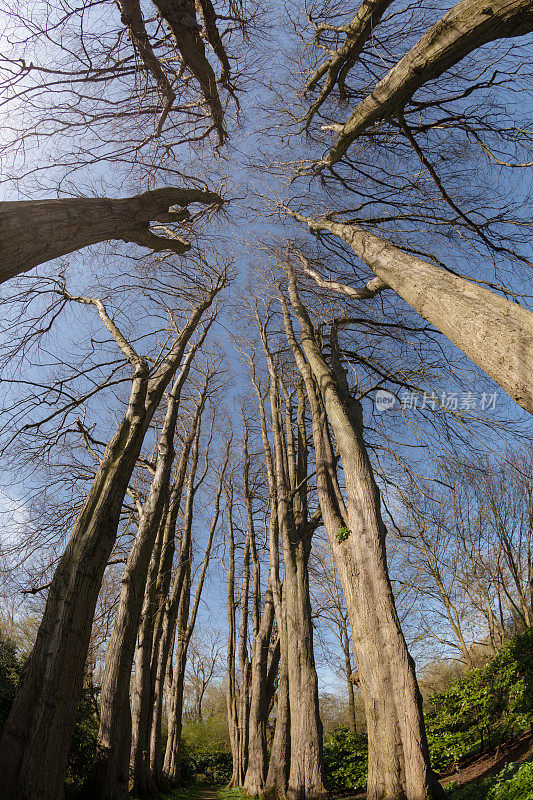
{"x": 476, "y": 768}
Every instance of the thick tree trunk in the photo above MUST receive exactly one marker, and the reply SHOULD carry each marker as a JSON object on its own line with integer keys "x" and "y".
{"x": 398, "y": 767}
{"x": 495, "y": 333}
{"x": 306, "y": 776}
{"x": 37, "y": 733}
{"x": 257, "y": 745}
{"x": 279, "y": 765}
{"x": 35, "y": 231}
{"x": 464, "y": 28}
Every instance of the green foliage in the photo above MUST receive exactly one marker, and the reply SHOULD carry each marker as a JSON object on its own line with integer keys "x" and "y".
{"x": 10, "y": 669}
{"x": 346, "y": 759}
{"x": 82, "y": 755}
{"x": 514, "y": 782}
{"x": 485, "y": 706}
{"x": 343, "y": 533}
{"x": 224, "y": 793}
{"x": 205, "y": 751}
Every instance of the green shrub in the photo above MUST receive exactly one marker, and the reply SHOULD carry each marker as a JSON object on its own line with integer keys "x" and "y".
{"x": 513, "y": 782}
{"x": 484, "y": 707}
{"x": 10, "y": 669}
{"x": 345, "y": 759}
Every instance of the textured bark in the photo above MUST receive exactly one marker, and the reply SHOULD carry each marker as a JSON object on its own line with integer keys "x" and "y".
{"x": 35, "y": 231}
{"x": 399, "y": 767}
{"x": 180, "y": 16}
{"x": 141, "y": 682}
{"x": 277, "y": 778}
{"x": 153, "y": 633}
{"x": 467, "y": 26}
{"x": 495, "y": 333}
{"x": 306, "y": 776}
{"x": 114, "y": 736}
{"x": 37, "y": 733}
{"x": 259, "y": 670}
{"x": 185, "y": 628}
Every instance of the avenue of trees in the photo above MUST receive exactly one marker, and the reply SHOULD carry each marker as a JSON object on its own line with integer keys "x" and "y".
{"x": 266, "y": 358}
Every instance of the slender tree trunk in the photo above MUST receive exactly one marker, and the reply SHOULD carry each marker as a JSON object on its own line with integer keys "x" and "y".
{"x": 114, "y": 736}
{"x": 146, "y": 705}
{"x": 37, "y": 733}
{"x": 231, "y": 678}
{"x": 185, "y": 629}
{"x": 399, "y": 766}
{"x": 348, "y": 667}
{"x": 35, "y": 231}
{"x": 141, "y": 683}
{"x": 495, "y": 333}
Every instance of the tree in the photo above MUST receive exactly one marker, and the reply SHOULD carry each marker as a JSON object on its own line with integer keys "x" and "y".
{"x": 356, "y": 532}
{"x": 35, "y": 231}
{"x": 37, "y": 733}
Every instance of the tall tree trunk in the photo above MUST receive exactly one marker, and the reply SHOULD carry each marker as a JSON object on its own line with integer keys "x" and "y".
{"x": 114, "y": 735}
{"x": 306, "y": 776}
{"x": 37, "y": 733}
{"x": 349, "y": 681}
{"x": 231, "y": 676}
{"x": 259, "y": 669}
{"x": 495, "y": 333}
{"x": 154, "y": 634}
{"x": 398, "y": 767}
{"x": 185, "y": 629}
{"x": 279, "y": 765}
{"x": 35, "y": 231}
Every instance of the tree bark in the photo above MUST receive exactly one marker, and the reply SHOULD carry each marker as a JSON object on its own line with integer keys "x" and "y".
{"x": 185, "y": 629}
{"x": 153, "y": 633}
{"x": 495, "y": 333}
{"x": 306, "y": 775}
{"x": 35, "y": 231}
{"x": 399, "y": 766}
{"x": 467, "y": 26}
{"x": 114, "y": 736}
{"x": 277, "y": 778}
{"x": 37, "y": 733}
{"x": 257, "y": 745}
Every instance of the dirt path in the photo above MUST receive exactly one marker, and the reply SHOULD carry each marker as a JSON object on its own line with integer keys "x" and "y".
{"x": 491, "y": 763}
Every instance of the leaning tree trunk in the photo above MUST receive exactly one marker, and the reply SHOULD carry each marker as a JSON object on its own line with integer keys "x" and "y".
{"x": 35, "y": 231}
{"x": 37, "y": 733}
{"x": 154, "y": 635}
{"x": 114, "y": 736}
{"x": 398, "y": 757}
{"x": 464, "y": 28}
{"x": 495, "y": 333}
{"x": 185, "y": 629}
